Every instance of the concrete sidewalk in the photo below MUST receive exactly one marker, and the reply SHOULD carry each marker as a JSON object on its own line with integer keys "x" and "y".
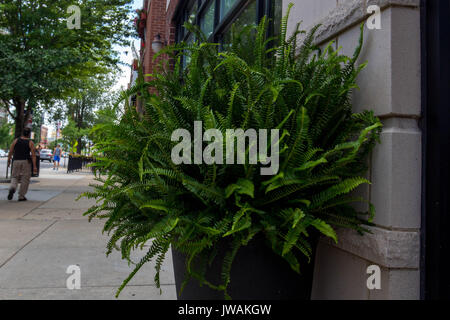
{"x": 42, "y": 237}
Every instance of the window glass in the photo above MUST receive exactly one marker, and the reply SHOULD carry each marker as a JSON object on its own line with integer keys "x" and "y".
{"x": 192, "y": 13}
{"x": 225, "y": 7}
{"x": 277, "y": 12}
{"x": 189, "y": 16}
{"x": 207, "y": 20}
{"x": 190, "y": 39}
{"x": 187, "y": 58}
{"x": 245, "y": 18}
{"x": 180, "y": 32}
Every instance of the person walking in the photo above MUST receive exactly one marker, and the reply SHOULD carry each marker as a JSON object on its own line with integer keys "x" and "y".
{"x": 38, "y": 159}
{"x": 23, "y": 152}
{"x": 56, "y": 157}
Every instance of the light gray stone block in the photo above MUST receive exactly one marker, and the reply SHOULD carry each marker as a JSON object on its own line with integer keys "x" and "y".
{"x": 398, "y": 284}
{"x": 390, "y": 83}
{"x": 346, "y": 14}
{"x": 351, "y": 12}
{"x": 386, "y": 3}
{"x": 310, "y": 12}
{"x": 396, "y": 175}
{"x": 406, "y": 61}
{"x": 387, "y": 248}
{"x": 338, "y": 275}
{"x": 374, "y": 80}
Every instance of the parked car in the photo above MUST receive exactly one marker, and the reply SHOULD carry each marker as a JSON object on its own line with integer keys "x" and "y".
{"x": 46, "y": 154}
{"x": 3, "y": 154}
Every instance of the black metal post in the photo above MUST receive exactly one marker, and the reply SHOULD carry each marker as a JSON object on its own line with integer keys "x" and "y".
{"x": 436, "y": 154}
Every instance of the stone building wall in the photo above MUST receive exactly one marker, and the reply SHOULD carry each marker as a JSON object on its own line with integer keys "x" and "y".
{"x": 389, "y": 85}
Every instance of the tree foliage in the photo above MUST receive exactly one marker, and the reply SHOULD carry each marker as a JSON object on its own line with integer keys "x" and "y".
{"x": 81, "y": 107}
{"x": 42, "y": 59}
{"x": 5, "y": 138}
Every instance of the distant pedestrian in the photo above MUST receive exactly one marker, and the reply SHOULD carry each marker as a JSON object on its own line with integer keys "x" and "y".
{"x": 23, "y": 152}
{"x": 56, "y": 157}
{"x": 38, "y": 159}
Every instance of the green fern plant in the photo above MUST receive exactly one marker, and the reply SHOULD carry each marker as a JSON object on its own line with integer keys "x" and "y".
{"x": 300, "y": 90}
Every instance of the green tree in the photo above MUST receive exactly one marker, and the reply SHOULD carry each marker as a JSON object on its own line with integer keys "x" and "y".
{"x": 5, "y": 137}
{"x": 72, "y": 135}
{"x": 81, "y": 110}
{"x": 52, "y": 145}
{"x": 38, "y": 121}
{"x": 42, "y": 59}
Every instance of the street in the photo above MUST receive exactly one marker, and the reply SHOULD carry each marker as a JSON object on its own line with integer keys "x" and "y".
{"x": 44, "y": 238}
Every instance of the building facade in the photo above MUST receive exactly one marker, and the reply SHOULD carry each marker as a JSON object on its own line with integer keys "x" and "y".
{"x": 394, "y": 85}
{"x": 44, "y": 136}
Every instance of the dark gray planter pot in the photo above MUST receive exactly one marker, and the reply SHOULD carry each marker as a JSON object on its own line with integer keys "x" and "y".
{"x": 257, "y": 274}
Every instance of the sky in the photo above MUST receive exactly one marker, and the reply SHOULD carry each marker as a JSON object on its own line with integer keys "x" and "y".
{"x": 126, "y": 55}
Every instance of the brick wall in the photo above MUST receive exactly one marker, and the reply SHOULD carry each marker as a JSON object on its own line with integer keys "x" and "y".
{"x": 156, "y": 24}
{"x": 160, "y": 15}
{"x": 170, "y": 24}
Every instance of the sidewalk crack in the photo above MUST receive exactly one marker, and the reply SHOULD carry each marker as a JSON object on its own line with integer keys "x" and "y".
{"x": 21, "y": 248}
{"x": 43, "y": 203}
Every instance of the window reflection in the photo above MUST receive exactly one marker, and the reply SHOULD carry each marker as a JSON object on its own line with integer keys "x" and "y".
{"x": 210, "y": 18}
{"x": 187, "y": 58}
{"x": 207, "y": 20}
{"x": 247, "y": 17}
{"x": 225, "y": 7}
{"x": 192, "y": 14}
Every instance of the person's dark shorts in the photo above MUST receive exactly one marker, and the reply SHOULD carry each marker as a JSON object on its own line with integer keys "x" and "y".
{"x": 56, "y": 158}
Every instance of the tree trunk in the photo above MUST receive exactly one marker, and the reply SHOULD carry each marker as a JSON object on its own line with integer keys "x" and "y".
{"x": 19, "y": 103}
{"x": 79, "y": 120}
{"x": 79, "y": 146}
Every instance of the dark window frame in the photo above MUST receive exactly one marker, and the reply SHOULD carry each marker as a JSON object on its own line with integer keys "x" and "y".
{"x": 435, "y": 124}
{"x": 264, "y": 7}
